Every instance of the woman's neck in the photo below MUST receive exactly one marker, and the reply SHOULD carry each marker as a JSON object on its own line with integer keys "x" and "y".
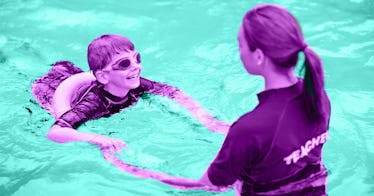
{"x": 279, "y": 78}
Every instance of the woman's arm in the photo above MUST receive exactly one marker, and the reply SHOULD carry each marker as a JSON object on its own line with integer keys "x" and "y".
{"x": 186, "y": 182}
{"x": 174, "y": 181}
{"x": 191, "y": 105}
{"x": 230, "y": 161}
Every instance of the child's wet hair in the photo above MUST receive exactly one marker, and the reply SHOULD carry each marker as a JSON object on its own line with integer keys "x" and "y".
{"x": 102, "y": 49}
{"x": 278, "y": 34}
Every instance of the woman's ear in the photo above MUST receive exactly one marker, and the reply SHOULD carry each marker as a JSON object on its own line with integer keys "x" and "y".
{"x": 259, "y": 57}
{"x": 102, "y": 76}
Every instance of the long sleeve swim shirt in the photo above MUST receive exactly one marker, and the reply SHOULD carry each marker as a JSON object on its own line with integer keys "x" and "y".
{"x": 94, "y": 102}
{"x": 274, "y": 149}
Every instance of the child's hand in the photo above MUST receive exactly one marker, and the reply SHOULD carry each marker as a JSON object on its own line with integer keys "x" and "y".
{"x": 111, "y": 144}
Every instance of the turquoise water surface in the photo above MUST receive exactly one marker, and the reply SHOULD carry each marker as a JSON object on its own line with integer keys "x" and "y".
{"x": 189, "y": 44}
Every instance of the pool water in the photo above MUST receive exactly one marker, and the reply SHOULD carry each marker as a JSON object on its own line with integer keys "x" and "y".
{"x": 191, "y": 45}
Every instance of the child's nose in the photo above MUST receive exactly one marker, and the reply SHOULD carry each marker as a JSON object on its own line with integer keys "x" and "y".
{"x": 135, "y": 66}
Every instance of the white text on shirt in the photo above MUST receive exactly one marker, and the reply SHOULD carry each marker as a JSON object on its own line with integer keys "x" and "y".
{"x": 305, "y": 149}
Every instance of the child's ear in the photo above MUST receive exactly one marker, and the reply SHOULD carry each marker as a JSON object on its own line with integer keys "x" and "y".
{"x": 102, "y": 77}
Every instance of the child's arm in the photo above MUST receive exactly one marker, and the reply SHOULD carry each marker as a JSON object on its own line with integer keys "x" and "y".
{"x": 66, "y": 134}
{"x": 191, "y": 105}
{"x": 90, "y": 106}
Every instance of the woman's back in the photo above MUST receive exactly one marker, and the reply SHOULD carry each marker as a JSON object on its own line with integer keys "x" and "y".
{"x": 292, "y": 149}
{"x": 278, "y": 145}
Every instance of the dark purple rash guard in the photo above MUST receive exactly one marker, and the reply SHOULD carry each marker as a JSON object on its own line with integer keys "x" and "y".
{"x": 94, "y": 102}
{"x": 260, "y": 145}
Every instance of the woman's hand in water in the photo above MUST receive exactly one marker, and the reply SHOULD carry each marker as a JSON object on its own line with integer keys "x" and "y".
{"x": 114, "y": 145}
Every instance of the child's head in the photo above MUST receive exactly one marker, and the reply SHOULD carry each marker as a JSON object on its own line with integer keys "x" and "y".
{"x": 114, "y": 61}
{"x": 102, "y": 50}
{"x": 274, "y": 32}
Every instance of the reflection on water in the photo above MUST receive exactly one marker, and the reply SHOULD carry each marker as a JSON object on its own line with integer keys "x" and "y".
{"x": 184, "y": 44}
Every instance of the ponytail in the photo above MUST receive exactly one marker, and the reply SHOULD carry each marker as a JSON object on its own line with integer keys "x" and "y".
{"x": 314, "y": 91}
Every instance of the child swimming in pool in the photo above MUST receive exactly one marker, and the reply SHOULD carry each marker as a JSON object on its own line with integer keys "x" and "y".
{"x": 74, "y": 96}
{"x": 276, "y": 149}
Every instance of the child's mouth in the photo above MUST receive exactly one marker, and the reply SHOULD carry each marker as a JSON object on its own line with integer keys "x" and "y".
{"x": 133, "y": 76}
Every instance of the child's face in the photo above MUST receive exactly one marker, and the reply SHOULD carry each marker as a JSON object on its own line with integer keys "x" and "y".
{"x": 124, "y": 70}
